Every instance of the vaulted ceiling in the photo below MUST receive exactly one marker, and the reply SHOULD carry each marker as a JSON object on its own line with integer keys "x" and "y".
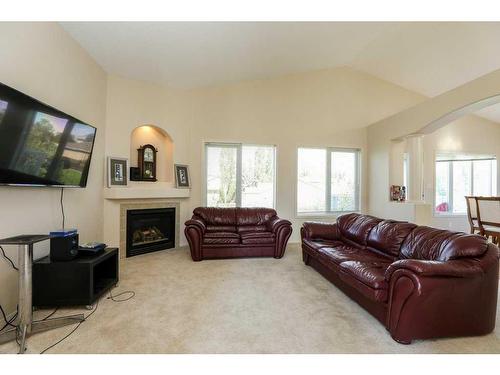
{"x": 429, "y": 58}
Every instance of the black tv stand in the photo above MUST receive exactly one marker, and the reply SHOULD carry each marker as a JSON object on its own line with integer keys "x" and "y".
{"x": 78, "y": 282}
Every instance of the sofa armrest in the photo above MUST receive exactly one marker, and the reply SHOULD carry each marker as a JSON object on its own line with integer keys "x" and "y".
{"x": 194, "y": 232}
{"x": 429, "y": 299}
{"x": 317, "y": 230}
{"x": 276, "y": 223}
{"x": 282, "y": 229}
{"x": 453, "y": 268}
{"x": 198, "y": 223}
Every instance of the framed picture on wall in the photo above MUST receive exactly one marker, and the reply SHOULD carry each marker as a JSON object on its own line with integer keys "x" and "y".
{"x": 398, "y": 193}
{"x": 117, "y": 171}
{"x": 182, "y": 179}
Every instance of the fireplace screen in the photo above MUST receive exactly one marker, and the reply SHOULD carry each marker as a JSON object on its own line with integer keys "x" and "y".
{"x": 150, "y": 230}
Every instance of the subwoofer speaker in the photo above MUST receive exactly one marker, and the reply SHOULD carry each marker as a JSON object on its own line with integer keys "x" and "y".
{"x": 64, "y": 248}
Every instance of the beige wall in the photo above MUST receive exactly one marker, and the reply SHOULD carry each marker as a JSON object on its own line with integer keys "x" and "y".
{"x": 131, "y": 104}
{"x": 323, "y": 108}
{"x": 41, "y": 60}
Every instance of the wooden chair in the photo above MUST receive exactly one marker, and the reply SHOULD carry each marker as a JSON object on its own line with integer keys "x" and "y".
{"x": 488, "y": 217}
{"x": 472, "y": 214}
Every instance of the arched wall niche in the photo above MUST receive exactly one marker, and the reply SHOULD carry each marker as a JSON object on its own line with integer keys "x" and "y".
{"x": 159, "y": 138}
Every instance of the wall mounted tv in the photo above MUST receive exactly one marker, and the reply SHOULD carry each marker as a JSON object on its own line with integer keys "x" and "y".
{"x": 41, "y": 146}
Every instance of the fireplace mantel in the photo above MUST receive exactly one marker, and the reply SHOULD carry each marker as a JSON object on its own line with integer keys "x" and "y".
{"x": 139, "y": 192}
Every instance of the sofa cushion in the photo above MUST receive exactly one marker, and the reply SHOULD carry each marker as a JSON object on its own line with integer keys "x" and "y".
{"x": 254, "y": 216}
{"x": 221, "y": 238}
{"x": 216, "y": 215}
{"x": 249, "y": 238}
{"x": 251, "y": 228}
{"x": 367, "y": 277}
{"x": 357, "y": 227}
{"x": 221, "y": 235}
{"x": 221, "y": 228}
{"x": 345, "y": 253}
{"x": 387, "y": 236}
{"x": 318, "y": 244}
{"x": 441, "y": 245}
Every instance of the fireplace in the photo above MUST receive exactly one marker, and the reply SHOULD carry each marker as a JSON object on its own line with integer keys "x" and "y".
{"x": 150, "y": 230}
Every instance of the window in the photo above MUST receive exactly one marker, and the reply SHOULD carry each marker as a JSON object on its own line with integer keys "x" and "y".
{"x": 240, "y": 175}
{"x": 327, "y": 180}
{"x": 406, "y": 173}
{"x": 460, "y": 175}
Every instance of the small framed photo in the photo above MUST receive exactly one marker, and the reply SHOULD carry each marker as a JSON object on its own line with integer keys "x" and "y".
{"x": 398, "y": 193}
{"x": 182, "y": 179}
{"x": 117, "y": 172}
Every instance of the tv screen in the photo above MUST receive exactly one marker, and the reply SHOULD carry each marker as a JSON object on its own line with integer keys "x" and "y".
{"x": 41, "y": 146}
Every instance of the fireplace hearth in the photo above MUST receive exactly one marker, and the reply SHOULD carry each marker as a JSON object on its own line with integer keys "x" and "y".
{"x": 150, "y": 230}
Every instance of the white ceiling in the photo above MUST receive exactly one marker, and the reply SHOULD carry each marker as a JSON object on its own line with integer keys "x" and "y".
{"x": 195, "y": 54}
{"x": 429, "y": 58}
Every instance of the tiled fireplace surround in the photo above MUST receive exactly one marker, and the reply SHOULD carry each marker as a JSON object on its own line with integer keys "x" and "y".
{"x": 142, "y": 205}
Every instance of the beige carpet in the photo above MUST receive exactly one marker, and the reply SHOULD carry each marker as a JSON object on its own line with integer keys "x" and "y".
{"x": 234, "y": 306}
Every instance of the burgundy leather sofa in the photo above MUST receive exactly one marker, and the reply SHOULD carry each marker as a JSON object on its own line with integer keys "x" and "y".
{"x": 419, "y": 282}
{"x": 236, "y": 232}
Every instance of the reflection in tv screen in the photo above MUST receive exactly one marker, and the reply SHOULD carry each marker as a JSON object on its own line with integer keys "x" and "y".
{"x": 40, "y": 145}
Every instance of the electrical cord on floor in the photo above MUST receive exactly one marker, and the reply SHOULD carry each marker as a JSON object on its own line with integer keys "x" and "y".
{"x": 114, "y": 299}
{"x": 51, "y": 314}
{"x": 4, "y": 315}
{"x": 8, "y": 259}
{"x": 72, "y": 331}
{"x": 111, "y": 297}
{"x": 62, "y": 208}
{"x": 8, "y": 322}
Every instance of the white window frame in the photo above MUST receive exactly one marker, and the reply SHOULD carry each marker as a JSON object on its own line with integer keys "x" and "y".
{"x": 450, "y": 183}
{"x": 239, "y": 168}
{"x": 328, "y": 211}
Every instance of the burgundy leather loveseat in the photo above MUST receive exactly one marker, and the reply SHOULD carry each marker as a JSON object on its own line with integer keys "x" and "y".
{"x": 236, "y": 232}
{"x": 419, "y": 282}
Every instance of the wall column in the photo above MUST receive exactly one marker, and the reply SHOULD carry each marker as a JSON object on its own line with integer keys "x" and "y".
{"x": 414, "y": 148}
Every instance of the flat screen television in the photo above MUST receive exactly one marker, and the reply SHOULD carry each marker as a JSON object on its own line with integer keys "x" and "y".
{"x": 40, "y": 145}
